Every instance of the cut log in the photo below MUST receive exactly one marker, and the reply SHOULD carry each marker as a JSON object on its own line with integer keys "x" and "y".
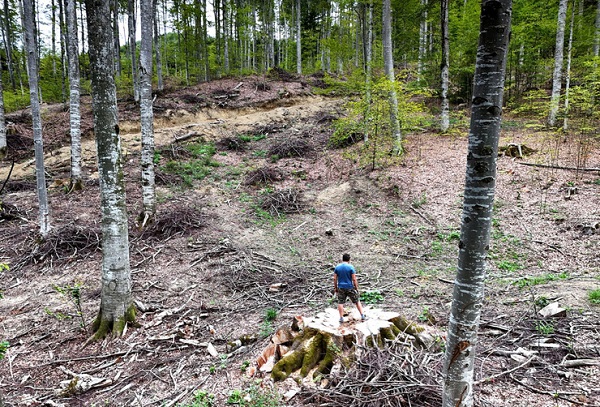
{"x": 312, "y": 346}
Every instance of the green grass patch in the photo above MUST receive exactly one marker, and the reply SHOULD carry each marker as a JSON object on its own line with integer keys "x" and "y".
{"x": 543, "y": 279}
{"x": 594, "y": 296}
{"x": 510, "y": 266}
{"x": 371, "y": 297}
{"x": 198, "y": 167}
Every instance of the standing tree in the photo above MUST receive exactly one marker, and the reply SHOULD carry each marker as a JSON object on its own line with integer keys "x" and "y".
{"x": 369, "y": 68}
{"x": 568, "y": 70}
{"x": 75, "y": 116}
{"x": 132, "y": 48}
{"x": 156, "y": 36}
{"x": 388, "y": 61}
{"x": 3, "y": 149}
{"x": 558, "y": 62}
{"x": 445, "y": 116}
{"x": 480, "y": 183}
{"x": 116, "y": 303}
{"x": 33, "y": 71}
{"x": 146, "y": 113}
{"x": 298, "y": 38}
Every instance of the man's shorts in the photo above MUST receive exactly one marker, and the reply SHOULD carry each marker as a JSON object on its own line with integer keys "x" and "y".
{"x": 344, "y": 293}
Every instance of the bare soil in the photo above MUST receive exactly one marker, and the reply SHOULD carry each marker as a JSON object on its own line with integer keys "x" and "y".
{"x": 202, "y": 272}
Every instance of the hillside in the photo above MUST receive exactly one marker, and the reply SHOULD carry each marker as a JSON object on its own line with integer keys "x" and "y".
{"x": 203, "y": 271}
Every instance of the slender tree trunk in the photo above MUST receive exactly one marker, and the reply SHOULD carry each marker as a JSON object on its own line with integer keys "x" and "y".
{"x": 205, "y": 41}
{"x": 422, "y": 39}
{"x": 8, "y": 40}
{"x": 369, "y": 73}
{"x": 63, "y": 45}
{"x": 225, "y": 10}
{"x": 74, "y": 95}
{"x": 298, "y": 38}
{"x": 115, "y": 22}
{"x": 156, "y": 37}
{"x": 558, "y": 62}
{"x": 388, "y": 61}
{"x": 597, "y": 33}
{"x": 3, "y": 148}
{"x": 53, "y": 37}
{"x": 445, "y": 74}
{"x": 568, "y": 70}
{"x": 146, "y": 114}
{"x": 116, "y": 302}
{"x": 83, "y": 42}
{"x": 33, "y": 71}
{"x": 480, "y": 183}
{"x": 132, "y": 48}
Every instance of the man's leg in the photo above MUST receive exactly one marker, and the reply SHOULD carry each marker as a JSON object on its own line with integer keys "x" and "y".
{"x": 360, "y": 308}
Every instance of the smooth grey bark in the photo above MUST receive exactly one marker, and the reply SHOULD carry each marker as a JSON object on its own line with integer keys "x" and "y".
{"x": 131, "y": 28}
{"x": 369, "y": 66}
{"x": 116, "y": 303}
{"x": 568, "y": 69}
{"x": 8, "y": 45}
{"x": 32, "y": 67}
{"x": 157, "y": 56}
{"x": 422, "y": 38}
{"x": 3, "y": 148}
{"x": 225, "y": 36}
{"x": 480, "y": 184}
{"x": 445, "y": 68}
{"x": 115, "y": 25}
{"x": 597, "y": 34}
{"x": 146, "y": 114}
{"x": 298, "y": 38}
{"x": 74, "y": 96}
{"x": 558, "y": 62}
{"x": 63, "y": 45}
{"x": 388, "y": 62}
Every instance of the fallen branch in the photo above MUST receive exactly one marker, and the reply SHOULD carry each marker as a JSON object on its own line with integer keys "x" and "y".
{"x": 488, "y": 379}
{"x": 559, "y": 167}
{"x": 187, "y": 136}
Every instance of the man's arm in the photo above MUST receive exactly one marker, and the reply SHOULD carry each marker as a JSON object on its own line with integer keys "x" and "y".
{"x": 355, "y": 281}
{"x": 335, "y": 287}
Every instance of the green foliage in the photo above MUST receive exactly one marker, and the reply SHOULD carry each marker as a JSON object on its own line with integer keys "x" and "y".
{"x": 371, "y": 297}
{"x": 450, "y": 236}
{"x": 510, "y": 266}
{"x": 254, "y": 396}
{"x": 198, "y": 167}
{"x": 72, "y": 293}
{"x": 419, "y": 201}
{"x": 594, "y": 296}
{"x": 4, "y": 345}
{"x": 537, "y": 280}
{"x": 424, "y": 316}
{"x": 541, "y": 301}
{"x": 544, "y": 327}
{"x": 533, "y": 104}
{"x": 270, "y": 314}
{"x": 201, "y": 399}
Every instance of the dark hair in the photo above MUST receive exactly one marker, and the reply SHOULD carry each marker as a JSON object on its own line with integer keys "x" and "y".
{"x": 345, "y": 257}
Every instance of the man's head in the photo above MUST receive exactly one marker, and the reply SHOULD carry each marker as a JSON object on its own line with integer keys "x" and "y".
{"x": 345, "y": 257}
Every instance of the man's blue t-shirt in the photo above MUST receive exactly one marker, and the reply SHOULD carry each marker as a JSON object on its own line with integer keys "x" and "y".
{"x": 344, "y": 273}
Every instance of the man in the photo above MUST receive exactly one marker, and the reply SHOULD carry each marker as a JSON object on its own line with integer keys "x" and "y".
{"x": 346, "y": 286}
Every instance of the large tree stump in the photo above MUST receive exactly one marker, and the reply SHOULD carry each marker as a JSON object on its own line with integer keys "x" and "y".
{"x": 313, "y": 346}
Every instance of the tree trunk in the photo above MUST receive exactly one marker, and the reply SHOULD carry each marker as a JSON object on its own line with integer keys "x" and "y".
{"x": 388, "y": 61}
{"x": 568, "y": 70}
{"x": 116, "y": 303}
{"x": 225, "y": 37}
{"x": 74, "y": 96}
{"x": 422, "y": 38}
{"x": 132, "y": 48}
{"x": 445, "y": 74}
{"x": 597, "y": 33}
{"x": 8, "y": 43}
{"x": 159, "y": 74}
{"x": 115, "y": 10}
{"x": 146, "y": 114}
{"x": 298, "y": 38}
{"x": 3, "y": 148}
{"x": 369, "y": 66}
{"x": 558, "y": 62}
{"x": 33, "y": 71}
{"x": 480, "y": 182}
{"x": 63, "y": 45}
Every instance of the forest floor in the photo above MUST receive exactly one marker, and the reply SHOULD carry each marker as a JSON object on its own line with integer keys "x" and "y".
{"x": 202, "y": 273}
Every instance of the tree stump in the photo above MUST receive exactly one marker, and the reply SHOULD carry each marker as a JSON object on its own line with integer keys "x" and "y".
{"x": 313, "y": 346}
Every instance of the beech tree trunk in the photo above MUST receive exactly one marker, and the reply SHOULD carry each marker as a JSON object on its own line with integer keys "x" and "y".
{"x": 369, "y": 66}
{"x": 480, "y": 183}
{"x": 445, "y": 74}
{"x": 422, "y": 38}
{"x": 74, "y": 96}
{"x": 3, "y": 148}
{"x": 558, "y": 62}
{"x": 116, "y": 303}
{"x": 8, "y": 45}
{"x": 115, "y": 10}
{"x": 132, "y": 48}
{"x": 388, "y": 61}
{"x": 156, "y": 36}
{"x": 298, "y": 38}
{"x": 226, "y": 37}
{"x": 568, "y": 70}
{"x": 146, "y": 114}
{"x": 33, "y": 71}
{"x": 597, "y": 34}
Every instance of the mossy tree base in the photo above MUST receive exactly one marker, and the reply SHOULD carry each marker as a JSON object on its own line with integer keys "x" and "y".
{"x": 102, "y": 327}
{"x": 314, "y": 346}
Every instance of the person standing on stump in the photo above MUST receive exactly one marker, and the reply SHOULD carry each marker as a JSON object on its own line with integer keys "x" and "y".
{"x": 346, "y": 286}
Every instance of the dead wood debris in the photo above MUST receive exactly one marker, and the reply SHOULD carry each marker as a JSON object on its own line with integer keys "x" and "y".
{"x": 231, "y": 144}
{"x": 263, "y": 176}
{"x": 9, "y": 212}
{"x": 281, "y": 74}
{"x": 292, "y": 147}
{"x": 284, "y": 201}
{"x": 398, "y": 375}
{"x": 173, "y": 222}
{"x": 63, "y": 244}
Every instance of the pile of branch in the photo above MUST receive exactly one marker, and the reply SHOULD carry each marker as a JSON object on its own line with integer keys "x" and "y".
{"x": 283, "y": 201}
{"x": 267, "y": 129}
{"x": 292, "y": 147}
{"x": 398, "y": 375}
{"x": 175, "y": 222}
{"x": 277, "y": 73}
{"x": 18, "y": 186}
{"x": 9, "y": 212}
{"x": 63, "y": 244}
{"x": 231, "y": 144}
{"x": 165, "y": 178}
{"x": 263, "y": 176}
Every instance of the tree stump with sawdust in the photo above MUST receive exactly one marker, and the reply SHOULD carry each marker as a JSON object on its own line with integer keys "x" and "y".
{"x": 314, "y": 346}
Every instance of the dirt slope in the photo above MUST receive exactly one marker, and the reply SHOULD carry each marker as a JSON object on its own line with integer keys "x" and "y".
{"x": 202, "y": 274}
